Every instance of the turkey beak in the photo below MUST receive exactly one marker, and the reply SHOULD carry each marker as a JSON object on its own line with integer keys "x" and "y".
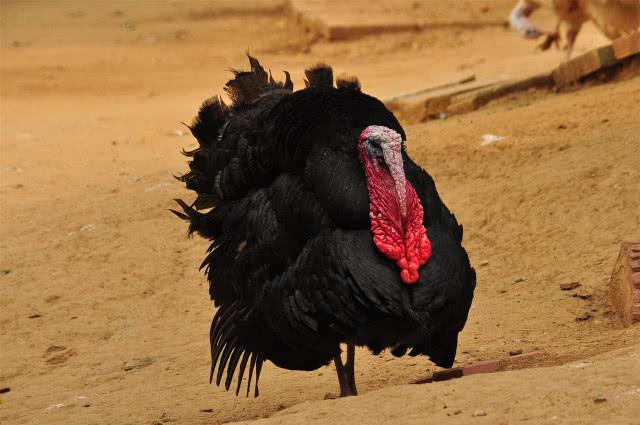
{"x": 392, "y": 154}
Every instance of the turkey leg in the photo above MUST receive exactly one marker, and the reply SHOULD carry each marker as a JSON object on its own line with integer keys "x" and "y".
{"x": 346, "y": 376}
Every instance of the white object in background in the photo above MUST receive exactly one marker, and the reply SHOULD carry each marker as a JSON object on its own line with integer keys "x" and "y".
{"x": 487, "y": 139}
{"x": 519, "y": 19}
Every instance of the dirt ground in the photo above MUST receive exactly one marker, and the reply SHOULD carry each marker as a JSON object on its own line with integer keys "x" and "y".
{"x": 105, "y": 316}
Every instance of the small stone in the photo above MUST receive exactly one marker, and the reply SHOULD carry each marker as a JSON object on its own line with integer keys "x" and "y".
{"x": 86, "y": 405}
{"x": 599, "y": 399}
{"x": 6, "y": 271}
{"x": 562, "y": 127}
{"x": 570, "y": 286}
{"x": 206, "y": 410}
{"x": 582, "y": 296}
{"x": 515, "y": 352}
{"x": 455, "y": 412}
{"x": 520, "y": 279}
{"x": 4, "y": 390}
{"x": 479, "y": 413}
{"x": 484, "y": 263}
{"x": 34, "y": 316}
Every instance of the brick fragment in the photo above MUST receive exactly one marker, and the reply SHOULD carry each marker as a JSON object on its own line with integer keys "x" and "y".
{"x": 444, "y": 375}
{"x": 488, "y": 366}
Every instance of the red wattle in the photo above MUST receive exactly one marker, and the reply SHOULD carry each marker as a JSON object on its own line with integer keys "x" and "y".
{"x": 403, "y": 239}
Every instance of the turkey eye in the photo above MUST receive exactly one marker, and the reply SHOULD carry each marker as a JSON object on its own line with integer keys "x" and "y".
{"x": 374, "y": 150}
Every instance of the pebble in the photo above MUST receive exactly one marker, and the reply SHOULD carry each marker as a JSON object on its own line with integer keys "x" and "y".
{"x": 4, "y": 390}
{"x": 455, "y": 412}
{"x": 599, "y": 399}
{"x": 569, "y": 286}
{"x": 515, "y": 352}
{"x": 484, "y": 263}
{"x": 479, "y": 413}
{"x": 520, "y": 279}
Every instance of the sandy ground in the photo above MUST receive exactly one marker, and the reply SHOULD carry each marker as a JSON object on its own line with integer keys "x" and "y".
{"x": 104, "y": 315}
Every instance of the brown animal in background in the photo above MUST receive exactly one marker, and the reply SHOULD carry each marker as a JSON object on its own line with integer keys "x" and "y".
{"x": 613, "y": 17}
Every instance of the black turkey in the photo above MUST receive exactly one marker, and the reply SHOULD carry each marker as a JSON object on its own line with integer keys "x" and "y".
{"x": 323, "y": 231}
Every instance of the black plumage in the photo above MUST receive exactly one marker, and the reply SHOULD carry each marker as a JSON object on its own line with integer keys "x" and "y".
{"x": 292, "y": 266}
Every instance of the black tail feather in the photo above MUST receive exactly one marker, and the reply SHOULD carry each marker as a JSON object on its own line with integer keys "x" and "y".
{"x": 243, "y": 365}
{"x": 252, "y": 365}
{"x": 228, "y": 350}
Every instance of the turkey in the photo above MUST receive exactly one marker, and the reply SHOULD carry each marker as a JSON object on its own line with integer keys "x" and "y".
{"x": 323, "y": 231}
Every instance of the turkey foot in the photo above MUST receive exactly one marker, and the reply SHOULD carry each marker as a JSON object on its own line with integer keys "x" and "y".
{"x": 345, "y": 371}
